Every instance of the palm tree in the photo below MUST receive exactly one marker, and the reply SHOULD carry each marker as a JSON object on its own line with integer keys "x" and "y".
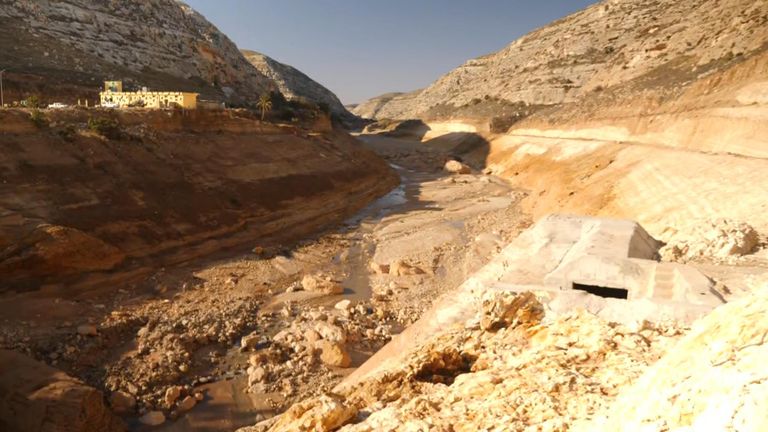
{"x": 265, "y": 105}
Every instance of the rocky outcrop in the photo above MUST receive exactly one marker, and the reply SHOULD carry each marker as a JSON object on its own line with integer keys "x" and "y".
{"x": 529, "y": 370}
{"x": 713, "y": 379}
{"x": 295, "y": 85}
{"x": 66, "y": 48}
{"x": 648, "y": 43}
{"x": 39, "y": 398}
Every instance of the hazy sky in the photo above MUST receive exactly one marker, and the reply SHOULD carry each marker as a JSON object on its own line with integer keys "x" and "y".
{"x": 363, "y": 48}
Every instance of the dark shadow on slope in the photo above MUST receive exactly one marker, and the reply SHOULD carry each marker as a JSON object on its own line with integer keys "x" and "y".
{"x": 470, "y": 148}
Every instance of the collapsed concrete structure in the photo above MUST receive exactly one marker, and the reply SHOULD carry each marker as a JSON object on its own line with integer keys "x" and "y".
{"x": 605, "y": 257}
{"x": 606, "y": 266}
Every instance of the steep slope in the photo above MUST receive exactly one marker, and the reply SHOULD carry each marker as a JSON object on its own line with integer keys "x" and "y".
{"x": 598, "y": 112}
{"x": 605, "y": 45}
{"x": 295, "y": 85}
{"x": 64, "y": 49}
{"x": 80, "y": 205}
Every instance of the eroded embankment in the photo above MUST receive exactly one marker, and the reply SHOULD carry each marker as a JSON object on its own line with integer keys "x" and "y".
{"x": 166, "y": 187}
{"x": 666, "y": 157}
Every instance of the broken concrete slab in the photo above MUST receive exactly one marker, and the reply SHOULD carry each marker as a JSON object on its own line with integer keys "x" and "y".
{"x": 606, "y": 266}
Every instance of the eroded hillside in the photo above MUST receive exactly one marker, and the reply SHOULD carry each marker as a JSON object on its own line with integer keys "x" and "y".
{"x": 100, "y": 191}
{"x": 655, "y": 43}
{"x": 295, "y": 85}
{"x": 64, "y": 49}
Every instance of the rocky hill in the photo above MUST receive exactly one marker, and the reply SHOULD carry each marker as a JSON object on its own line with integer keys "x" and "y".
{"x": 652, "y": 43}
{"x": 295, "y": 85}
{"x": 66, "y": 48}
{"x": 370, "y": 108}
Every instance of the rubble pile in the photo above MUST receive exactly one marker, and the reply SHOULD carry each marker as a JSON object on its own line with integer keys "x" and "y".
{"x": 719, "y": 240}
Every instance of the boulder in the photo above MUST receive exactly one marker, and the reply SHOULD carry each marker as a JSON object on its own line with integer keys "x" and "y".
{"x": 311, "y": 336}
{"x": 323, "y": 414}
{"x": 256, "y": 374}
{"x": 323, "y": 284}
{"x": 172, "y": 395}
{"x": 250, "y": 341}
{"x": 330, "y": 332}
{"x": 343, "y": 305}
{"x": 456, "y": 167}
{"x": 334, "y": 354}
{"x": 122, "y": 402}
{"x": 402, "y": 268}
{"x": 187, "y": 403}
{"x": 508, "y": 310}
{"x": 379, "y": 269}
{"x": 39, "y": 398}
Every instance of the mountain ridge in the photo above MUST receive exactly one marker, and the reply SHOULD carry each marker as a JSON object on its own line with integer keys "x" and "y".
{"x": 66, "y": 48}
{"x": 295, "y": 84}
{"x": 606, "y": 45}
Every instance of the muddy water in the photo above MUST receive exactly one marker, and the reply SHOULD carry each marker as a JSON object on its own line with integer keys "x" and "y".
{"x": 357, "y": 284}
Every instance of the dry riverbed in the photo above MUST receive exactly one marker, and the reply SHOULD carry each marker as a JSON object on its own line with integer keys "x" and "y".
{"x": 226, "y": 344}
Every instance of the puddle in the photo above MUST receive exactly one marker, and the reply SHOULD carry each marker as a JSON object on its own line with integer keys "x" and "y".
{"x": 226, "y": 407}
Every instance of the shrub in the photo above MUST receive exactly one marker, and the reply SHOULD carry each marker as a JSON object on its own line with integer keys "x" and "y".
{"x": 105, "y": 127}
{"x": 68, "y": 132}
{"x": 32, "y": 102}
{"x": 38, "y": 118}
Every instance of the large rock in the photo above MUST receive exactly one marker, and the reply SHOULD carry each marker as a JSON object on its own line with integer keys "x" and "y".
{"x": 321, "y": 283}
{"x": 323, "y": 414}
{"x": 403, "y": 268}
{"x": 37, "y": 398}
{"x": 330, "y": 332}
{"x": 714, "y": 379}
{"x": 506, "y": 309}
{"x": 334, "y": 354}
{"x": 456, "y": 167}
{"x": 54, "y": 249}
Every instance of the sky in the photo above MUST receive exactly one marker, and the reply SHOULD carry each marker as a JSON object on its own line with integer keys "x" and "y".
{"x": 363, "y": 48}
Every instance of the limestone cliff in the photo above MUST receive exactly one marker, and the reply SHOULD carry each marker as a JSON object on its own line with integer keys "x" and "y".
{"x": 65, "y": 48}
{"x": 650, "y": 43}
{"x": 295, "y": 85}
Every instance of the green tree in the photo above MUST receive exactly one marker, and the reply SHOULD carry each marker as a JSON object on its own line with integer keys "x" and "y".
{"x": 265, "y": 105}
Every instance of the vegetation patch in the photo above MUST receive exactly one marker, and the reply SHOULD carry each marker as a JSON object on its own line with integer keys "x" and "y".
{"x": 108, "y": 128}
{"x": 39, "y": 119}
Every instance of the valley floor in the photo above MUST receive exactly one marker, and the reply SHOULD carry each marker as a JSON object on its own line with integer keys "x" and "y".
{"x": 174, "y": 342}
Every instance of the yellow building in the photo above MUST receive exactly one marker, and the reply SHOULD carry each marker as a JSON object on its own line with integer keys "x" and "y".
{"x": 114, "y": 96}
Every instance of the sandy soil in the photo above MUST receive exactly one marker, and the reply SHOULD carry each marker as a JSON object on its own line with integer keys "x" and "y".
{"x": 182, "y": 326}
